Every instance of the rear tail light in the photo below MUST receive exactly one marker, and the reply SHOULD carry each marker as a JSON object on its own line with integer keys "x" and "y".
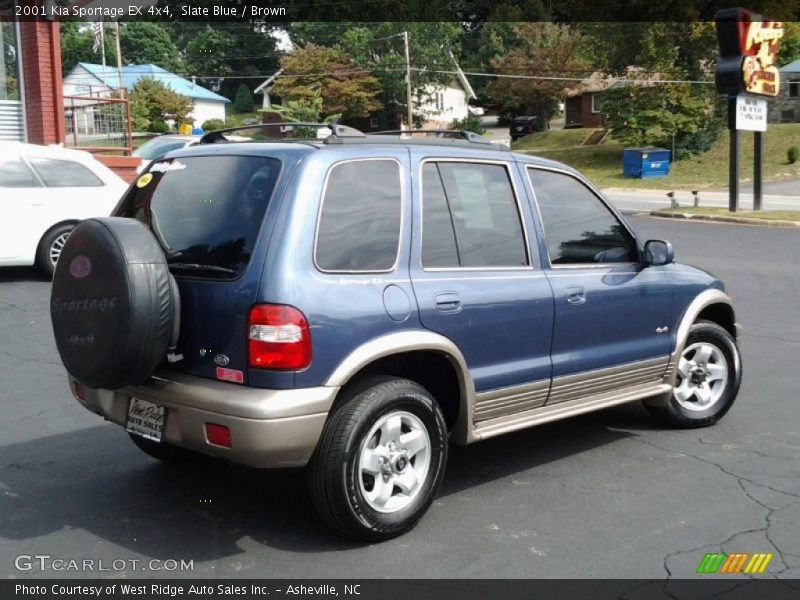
{"x": 80, "y": 391}
{"x": 277, "y": 338}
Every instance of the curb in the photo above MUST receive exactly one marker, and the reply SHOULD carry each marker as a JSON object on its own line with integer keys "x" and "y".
{"x": 726, "y": 219}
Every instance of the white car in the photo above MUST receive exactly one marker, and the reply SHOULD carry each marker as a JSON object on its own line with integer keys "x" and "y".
{"x": 44, "y": 192}
{"x": 152, "y": 149}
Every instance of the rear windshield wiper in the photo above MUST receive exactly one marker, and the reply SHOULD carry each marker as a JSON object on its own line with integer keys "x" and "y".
{"x": 198, "y": 267}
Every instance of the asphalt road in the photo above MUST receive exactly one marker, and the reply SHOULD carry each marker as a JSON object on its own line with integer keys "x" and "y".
{"x": 608, "y": 495}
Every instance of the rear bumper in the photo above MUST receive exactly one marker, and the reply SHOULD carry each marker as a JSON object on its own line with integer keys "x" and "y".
{"x": 269, "y": 428}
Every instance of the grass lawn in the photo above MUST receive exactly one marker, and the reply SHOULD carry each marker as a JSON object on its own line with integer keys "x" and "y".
{"x": 767, "y": 215}
{"x": 603, "y": 163}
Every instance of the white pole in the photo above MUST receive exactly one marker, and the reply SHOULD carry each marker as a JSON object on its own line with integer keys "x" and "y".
{"x": 408, "y": 82}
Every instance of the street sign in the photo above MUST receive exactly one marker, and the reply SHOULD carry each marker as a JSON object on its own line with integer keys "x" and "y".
{"x": 751, "y": 113}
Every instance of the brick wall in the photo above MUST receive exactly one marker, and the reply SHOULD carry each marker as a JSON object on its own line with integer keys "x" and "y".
{"x": 124, "y": 166}
{"x": 41, "y": 71}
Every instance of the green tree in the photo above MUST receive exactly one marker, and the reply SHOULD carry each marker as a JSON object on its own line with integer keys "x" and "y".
{"x": 789, "y": 49}
{"x": 686, "y": 116}
{"x": 148, "y": 43}
{"x": 77, "y": 40}
{"x": 153, "y": 102}
{"x": 223, "y": 53}
{"x": 243, "y": 102}
{"x": 342, "y": 87}
{"x": 378, "y": 47}
{"x": 541, "y": 50}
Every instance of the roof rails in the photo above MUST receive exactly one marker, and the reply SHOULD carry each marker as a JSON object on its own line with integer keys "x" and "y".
{"x": 338, "y": 132}
{"x": 342, "y": 133}
{"x": 458, "y": 134}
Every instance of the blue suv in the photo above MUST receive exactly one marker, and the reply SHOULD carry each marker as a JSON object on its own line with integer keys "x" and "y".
{"x": 353, "y": 304}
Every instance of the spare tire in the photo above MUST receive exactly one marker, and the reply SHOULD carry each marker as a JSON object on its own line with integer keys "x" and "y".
{"x": 113, "y": 303}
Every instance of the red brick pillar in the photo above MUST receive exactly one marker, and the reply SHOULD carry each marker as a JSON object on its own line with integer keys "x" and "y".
{"x": 41, "y": 73}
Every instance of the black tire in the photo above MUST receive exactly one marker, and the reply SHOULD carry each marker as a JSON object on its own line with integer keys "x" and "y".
{"x": 673, "y": 413}
{"x": 113, "y": 303}
{"x": 51, "y": 243}
{"x": 163, "y": 451}
{"x": 336, "y": 481}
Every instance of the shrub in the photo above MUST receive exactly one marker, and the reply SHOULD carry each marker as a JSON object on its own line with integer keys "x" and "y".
{"x": 212, "y": 124}
{"x": 243, "y": 102}
{"x": 469, "y": 123}
{"x": 158, "y": 127}
{"x": 793, "y": 154}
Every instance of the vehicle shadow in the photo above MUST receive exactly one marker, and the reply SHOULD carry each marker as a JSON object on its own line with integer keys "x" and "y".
{"x": 96, "y": 480}
{"x": 17, "y": 274}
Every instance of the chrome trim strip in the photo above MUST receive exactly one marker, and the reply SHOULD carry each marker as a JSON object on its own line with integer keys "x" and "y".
{"x": 400, "y": 174}
{"x": 520, "y": 214}
{"x": 578, "y": 385}
{"x": 506, "y": 401}
{"x": 562, "y": 410}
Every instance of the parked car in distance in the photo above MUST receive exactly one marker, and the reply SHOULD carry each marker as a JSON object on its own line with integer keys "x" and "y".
{"x": 45, "y": 191}
{"x": 356, "y": 304}
{"x": 162, "y": 144}
{"x": 522, "y": 126}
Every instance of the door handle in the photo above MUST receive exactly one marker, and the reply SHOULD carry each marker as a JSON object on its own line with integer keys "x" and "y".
{"x": 447, "y": 302}
{"x": 575, "y": 294}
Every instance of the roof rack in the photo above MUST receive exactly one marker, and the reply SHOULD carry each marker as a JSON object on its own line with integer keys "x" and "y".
{"x": 458, "y": 134}
{"x": 338, "y": 132}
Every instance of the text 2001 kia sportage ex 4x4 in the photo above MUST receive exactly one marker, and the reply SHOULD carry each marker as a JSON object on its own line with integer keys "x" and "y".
{"x": 356, "y": 303}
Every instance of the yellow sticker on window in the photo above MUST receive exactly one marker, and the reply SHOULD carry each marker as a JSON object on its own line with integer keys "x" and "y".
{"x": 144, "y": 180}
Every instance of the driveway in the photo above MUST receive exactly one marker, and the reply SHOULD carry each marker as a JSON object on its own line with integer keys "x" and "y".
{"x": 606, "y": 495}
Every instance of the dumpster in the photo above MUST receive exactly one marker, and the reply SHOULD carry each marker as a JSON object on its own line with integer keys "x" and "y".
{"x": 645, "y": 162}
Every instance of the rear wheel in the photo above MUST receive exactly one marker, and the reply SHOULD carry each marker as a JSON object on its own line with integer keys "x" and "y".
{"x": 707, "y": 379}
{"x": 380, "y": 460}
{"x": 50, "y": 248}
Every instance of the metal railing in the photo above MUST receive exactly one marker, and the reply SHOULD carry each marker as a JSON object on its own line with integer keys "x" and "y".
{"x": 98, "y": 123}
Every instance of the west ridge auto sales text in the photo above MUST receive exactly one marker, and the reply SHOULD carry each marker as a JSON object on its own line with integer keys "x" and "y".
{"x": 174, "y": 591}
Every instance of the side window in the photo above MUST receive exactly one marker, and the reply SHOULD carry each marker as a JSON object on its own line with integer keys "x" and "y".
{"x": 64, "y": 173}
{"x": 470, "y": 217}
{"x": 578, "y": 227}
{"x": 16, "y": 174}
{"x": 359, "y": 222}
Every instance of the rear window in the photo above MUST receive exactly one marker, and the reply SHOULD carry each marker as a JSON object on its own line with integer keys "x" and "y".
{"x": 205, "y": 211}
{"x": 155, "y": 148}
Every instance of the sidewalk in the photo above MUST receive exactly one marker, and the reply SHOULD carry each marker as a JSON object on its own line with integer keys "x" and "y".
{"x": 647, "y": 200}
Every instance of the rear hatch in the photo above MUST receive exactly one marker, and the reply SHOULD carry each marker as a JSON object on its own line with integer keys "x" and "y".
{"x": 207, "y": 213}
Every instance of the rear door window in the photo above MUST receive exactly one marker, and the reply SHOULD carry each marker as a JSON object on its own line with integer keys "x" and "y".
{"x": 15, "y": 174}
{"x": 205, "y": 211}
{"x": 64, "y": 173}
{"x": 359, "y": 222}
{"x": 470, "y": 217}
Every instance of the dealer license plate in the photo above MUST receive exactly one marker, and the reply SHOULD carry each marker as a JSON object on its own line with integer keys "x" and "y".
{"x": 145, "y": 419}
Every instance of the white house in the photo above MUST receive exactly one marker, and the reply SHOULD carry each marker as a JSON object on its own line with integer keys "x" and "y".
{"x": 89, "y": 79}
{"x": 441, "y": 104}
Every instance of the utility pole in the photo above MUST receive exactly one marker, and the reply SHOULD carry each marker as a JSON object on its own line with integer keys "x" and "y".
{"x": 119, "y": 59}
{"x": 408, "y": 81}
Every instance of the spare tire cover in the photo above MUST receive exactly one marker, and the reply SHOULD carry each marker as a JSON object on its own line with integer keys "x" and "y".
{"x": 113, "y": 303}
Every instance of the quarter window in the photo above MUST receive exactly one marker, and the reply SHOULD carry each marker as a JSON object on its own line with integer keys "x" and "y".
{"x": 470, "y": 217}
{"x": 578, "y": 227}
{"x": 359, "y": 224}
{"x": 64, "y": 173}
{"x": 15, "y": 174}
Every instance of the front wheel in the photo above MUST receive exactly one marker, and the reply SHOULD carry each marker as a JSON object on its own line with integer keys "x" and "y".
{"x": 707, "y": 379}
{"x": 380, "y": 460}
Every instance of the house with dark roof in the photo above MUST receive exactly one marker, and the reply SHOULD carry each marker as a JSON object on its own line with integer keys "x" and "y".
{"x": 86, "y": 79}
{"x": 785, "y": 107}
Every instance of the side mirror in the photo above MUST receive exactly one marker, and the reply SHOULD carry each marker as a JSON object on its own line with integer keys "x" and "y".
{"x": 657, "y": 253}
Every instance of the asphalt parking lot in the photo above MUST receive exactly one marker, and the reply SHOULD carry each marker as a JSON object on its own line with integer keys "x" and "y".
{"x": 608, "y": 495}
